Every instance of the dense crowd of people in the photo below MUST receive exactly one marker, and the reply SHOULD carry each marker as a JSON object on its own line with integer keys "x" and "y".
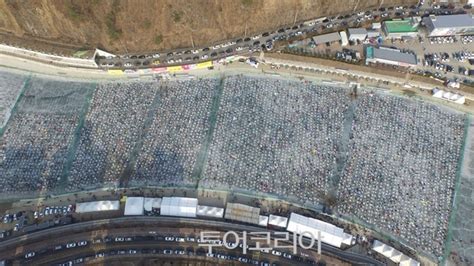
{"x": 401, "y": 169}
{"x": 393, "y": 161}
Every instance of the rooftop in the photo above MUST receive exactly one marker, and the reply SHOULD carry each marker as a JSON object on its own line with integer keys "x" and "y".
{"x": 391, "y": 54}
{"x": 324, "y": 38}
{"x": 357, "y": 31}
{"x": 452, "y": 21}
{"x": 395, "y": 26}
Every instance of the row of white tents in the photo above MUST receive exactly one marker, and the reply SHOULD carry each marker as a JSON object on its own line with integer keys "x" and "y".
{"x": 393, "y": 254}
{"x": 450, "y": 96}
{"x": 296, "y": 223}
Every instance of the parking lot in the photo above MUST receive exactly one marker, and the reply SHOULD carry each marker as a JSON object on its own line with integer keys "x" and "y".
{"x": 441, "y": 57}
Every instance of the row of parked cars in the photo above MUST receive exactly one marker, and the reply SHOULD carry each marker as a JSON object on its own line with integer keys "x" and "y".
{"x": 10, "y": 217}
{"x": 443, "y": 40}
{"x": 462, "y": 56}
{"x": 69, "y": 245}
{"x": 53, "y": 210}
{"x": 180, "y": 251}
{"x": 467, "y": 39}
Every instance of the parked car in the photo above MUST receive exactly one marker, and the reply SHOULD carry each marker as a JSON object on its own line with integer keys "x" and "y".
{"x": 29, "y": 255}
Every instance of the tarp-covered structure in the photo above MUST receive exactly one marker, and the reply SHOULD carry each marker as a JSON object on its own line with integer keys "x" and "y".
{"x": 278, "y": 221}
{"x": 179, "y": 206}
{"x": 330, "y": 234}
{"x": 208, "y": 211}
{"x": 96, "y": 206}
{"x": 134, "y": 206}
{"x": 242, "y": 213}
{"x": 152, "y": 203}
{"x": 393, "y": 254}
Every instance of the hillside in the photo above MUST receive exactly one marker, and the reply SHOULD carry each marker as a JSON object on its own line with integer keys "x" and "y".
{"x": 147, "y": 25}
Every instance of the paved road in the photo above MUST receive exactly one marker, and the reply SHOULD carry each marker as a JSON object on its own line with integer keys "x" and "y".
{"x": 16, "y": 245}
{"x": 248, "y": 44}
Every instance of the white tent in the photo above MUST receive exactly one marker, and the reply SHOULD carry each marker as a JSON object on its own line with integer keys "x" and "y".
{"x": 134, "y": 206}
{"x": 393, "y": 254}
{"x": 460, "y": 100}
{"x": 397, "y": 256}
{"x": 95, "y": 206}
{"x": 263, "y": 220}
{"x": 453, "y": 97}
{"x": 378, "y": 246}
{"x": 407, "y": 261}
{"x": 437, "y": 93}
{"x": 242, "y": 213}
{"x": 209, "y": 211}
{"x": 152, "y": 203}
{"x": 279, "y": 221}
{"x": 330, "y": 234}
{"x": 348, "y": 239}
{"x": 447, "y": 95}
{"x": 179, "y": 206}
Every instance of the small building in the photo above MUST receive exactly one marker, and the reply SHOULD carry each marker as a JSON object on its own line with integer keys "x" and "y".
{"x": 242, "y": 213}
{"x": 376, "y": 25}
{"x": 327, "y": 38}
{"x": 134, "y": 206}
{"x": 179, "y": 206}
{"x": 344, "y": 40}
{"x": 448, "y": 25}
{"x": 96, "y": 206}
{"x": 357, "y": 34}
{"x": 373, "y": 34}
{"x": 208, "y": 211}
{"x": 390, "y": 56}
{"x": 398, "y": 28}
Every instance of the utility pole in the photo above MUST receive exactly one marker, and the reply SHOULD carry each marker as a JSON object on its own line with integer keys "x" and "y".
{"x": 245, "y": 32}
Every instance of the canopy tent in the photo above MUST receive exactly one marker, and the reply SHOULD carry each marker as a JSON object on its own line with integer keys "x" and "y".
{"x": 179, "y": 206}
{"x": 279, "y": 221}
{"x": 95, "y": 206}
{"x": 330, "y": 234}
{"x": 152, "y": 203}
{"x": 209, "y": 211}
{"x": 393, "y": 254}
{"x": 134, "y": 206}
